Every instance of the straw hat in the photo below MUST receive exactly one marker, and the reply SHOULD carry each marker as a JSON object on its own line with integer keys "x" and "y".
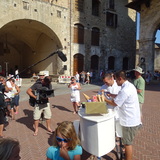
{"x": 41, "y": 73}
{"x": 138, "y": 69}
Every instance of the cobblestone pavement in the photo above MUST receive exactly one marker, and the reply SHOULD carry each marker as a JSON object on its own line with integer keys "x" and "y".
{"x": 146, "y": 144}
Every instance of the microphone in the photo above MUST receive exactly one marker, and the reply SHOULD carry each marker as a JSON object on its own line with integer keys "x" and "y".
{"x": 62, "y": 56}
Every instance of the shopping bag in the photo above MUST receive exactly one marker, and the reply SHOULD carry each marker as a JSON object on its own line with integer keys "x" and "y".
{"x": 96, "y": 108}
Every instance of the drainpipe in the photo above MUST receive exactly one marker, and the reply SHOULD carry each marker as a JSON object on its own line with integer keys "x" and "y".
{"x": 70, "y": 38}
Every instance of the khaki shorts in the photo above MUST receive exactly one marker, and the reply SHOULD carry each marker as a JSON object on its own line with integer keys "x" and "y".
{"x": 39, "y": 108}
{"x": 140, "y": 105}
{"x": 129, "y": 134}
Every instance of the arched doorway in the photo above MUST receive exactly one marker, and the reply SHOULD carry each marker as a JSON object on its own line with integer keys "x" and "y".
{"x": 125, "y": 63}
{"x": 78, "y": 63}
{"x": 111, "y": 61}
{"x": 94, "y": 62}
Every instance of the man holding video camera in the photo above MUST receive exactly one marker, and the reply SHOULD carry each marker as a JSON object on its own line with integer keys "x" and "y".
{"x": 40, "y": 92}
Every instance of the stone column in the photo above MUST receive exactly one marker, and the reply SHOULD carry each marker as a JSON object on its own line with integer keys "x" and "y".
{"x": 146, "y": 54}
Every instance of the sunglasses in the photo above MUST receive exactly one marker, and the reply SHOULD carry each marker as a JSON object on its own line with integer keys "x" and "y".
{"x": 61, "y": 139}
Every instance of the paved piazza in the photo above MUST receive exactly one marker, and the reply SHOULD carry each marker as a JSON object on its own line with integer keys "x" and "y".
{"x": 146, "y": 144}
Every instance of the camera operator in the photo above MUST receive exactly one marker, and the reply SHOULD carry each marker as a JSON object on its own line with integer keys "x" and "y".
{"x": 3, "y": 88}
{"x": 42, "y": 104}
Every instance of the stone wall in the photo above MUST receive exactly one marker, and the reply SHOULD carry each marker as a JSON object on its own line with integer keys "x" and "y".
{"x": 150, "y": 22}
{"x": 36, "y": 28}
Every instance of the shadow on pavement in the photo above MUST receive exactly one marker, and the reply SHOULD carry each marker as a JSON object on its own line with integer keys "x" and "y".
{"x": 28, "y": 119}
{"x": 61, "y": 108}
{"x": 153, "y": 87}
{"x": 50, "y": 139}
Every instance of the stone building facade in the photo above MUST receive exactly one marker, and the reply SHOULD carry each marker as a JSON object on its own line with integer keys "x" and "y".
{"x": 93, "y": 34}
{"x": 149, "y": 23}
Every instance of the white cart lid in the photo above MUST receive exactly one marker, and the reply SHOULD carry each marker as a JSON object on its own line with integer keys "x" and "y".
{"x": 96, "y": 117}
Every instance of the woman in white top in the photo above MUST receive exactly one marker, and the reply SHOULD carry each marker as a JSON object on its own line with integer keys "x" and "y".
{"x": 15, "y": 93}
{"x": 75, "y": 94}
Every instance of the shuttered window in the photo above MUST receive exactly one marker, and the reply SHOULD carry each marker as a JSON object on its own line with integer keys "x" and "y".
{"x": 78, "y": 34}
{"x": 111, "y": 19}
{"x": 79, "y": 5}
{"x": 95, "y": 7}
{"x": 95, "y": 37}
{"x": 111, "y": 4}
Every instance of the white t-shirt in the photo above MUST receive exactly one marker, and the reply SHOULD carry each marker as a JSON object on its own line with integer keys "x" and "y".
{"x": 77, "y": 76}
{"x": 129, "y": 110}
{"x": 114, "y": 89}
{"x": 8, "y": 94}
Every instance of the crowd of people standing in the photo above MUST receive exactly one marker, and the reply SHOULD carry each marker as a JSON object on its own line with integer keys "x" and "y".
{"x": 66, "y": 143}
{"x": 9, "y": 93}
{"x": 84, "y": 77}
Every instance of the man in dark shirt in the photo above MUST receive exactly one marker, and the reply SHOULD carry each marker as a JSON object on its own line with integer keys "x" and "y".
{"x": 3, "y": 88}
{"x": 41, "y": 106}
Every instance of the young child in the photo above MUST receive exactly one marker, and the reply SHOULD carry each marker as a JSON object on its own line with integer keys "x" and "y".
{"x": 9, "y": 149}
{"x": 66, "y": 145}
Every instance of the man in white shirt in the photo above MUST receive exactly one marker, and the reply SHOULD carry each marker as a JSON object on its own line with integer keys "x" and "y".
{"x": 110, "y": 87}
{"x": 129, "y": 111}
{"x": 77, "y": 77}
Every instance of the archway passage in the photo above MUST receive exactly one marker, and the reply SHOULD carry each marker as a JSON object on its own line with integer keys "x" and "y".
{"x": 24, "y": 42}
{"x": 78, "y": 63}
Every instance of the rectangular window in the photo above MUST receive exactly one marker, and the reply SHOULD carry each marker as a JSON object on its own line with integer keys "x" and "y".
{"x": 25, "y": 5}
{"x": 58, "y": 14}
{"x": 95, "y": 7}
{"x": 110, "y": 4}
{"x": 111, "y": 19}
{"x": 79, "y": 5}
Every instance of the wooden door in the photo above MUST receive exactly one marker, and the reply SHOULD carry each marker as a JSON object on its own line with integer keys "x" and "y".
{"x": 78, "y": 63}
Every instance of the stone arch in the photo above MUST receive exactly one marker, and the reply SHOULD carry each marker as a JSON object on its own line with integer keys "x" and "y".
{"x": 150, "y": 22}
{"x": 30, "y": 41}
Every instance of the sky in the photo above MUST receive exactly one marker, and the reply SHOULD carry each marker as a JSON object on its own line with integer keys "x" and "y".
{"x": 137, "y": 35}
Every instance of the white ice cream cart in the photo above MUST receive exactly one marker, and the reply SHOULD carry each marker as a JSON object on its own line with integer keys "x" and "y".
{"x": 97, "y": 132}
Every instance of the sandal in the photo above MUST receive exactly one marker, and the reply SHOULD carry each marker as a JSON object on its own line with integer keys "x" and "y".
{"x": 35, "y": 134}
{"x": 50, "y": 130}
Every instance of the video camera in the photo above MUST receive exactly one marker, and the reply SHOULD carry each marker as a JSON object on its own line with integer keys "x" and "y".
{"x": 43, "y": 94}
